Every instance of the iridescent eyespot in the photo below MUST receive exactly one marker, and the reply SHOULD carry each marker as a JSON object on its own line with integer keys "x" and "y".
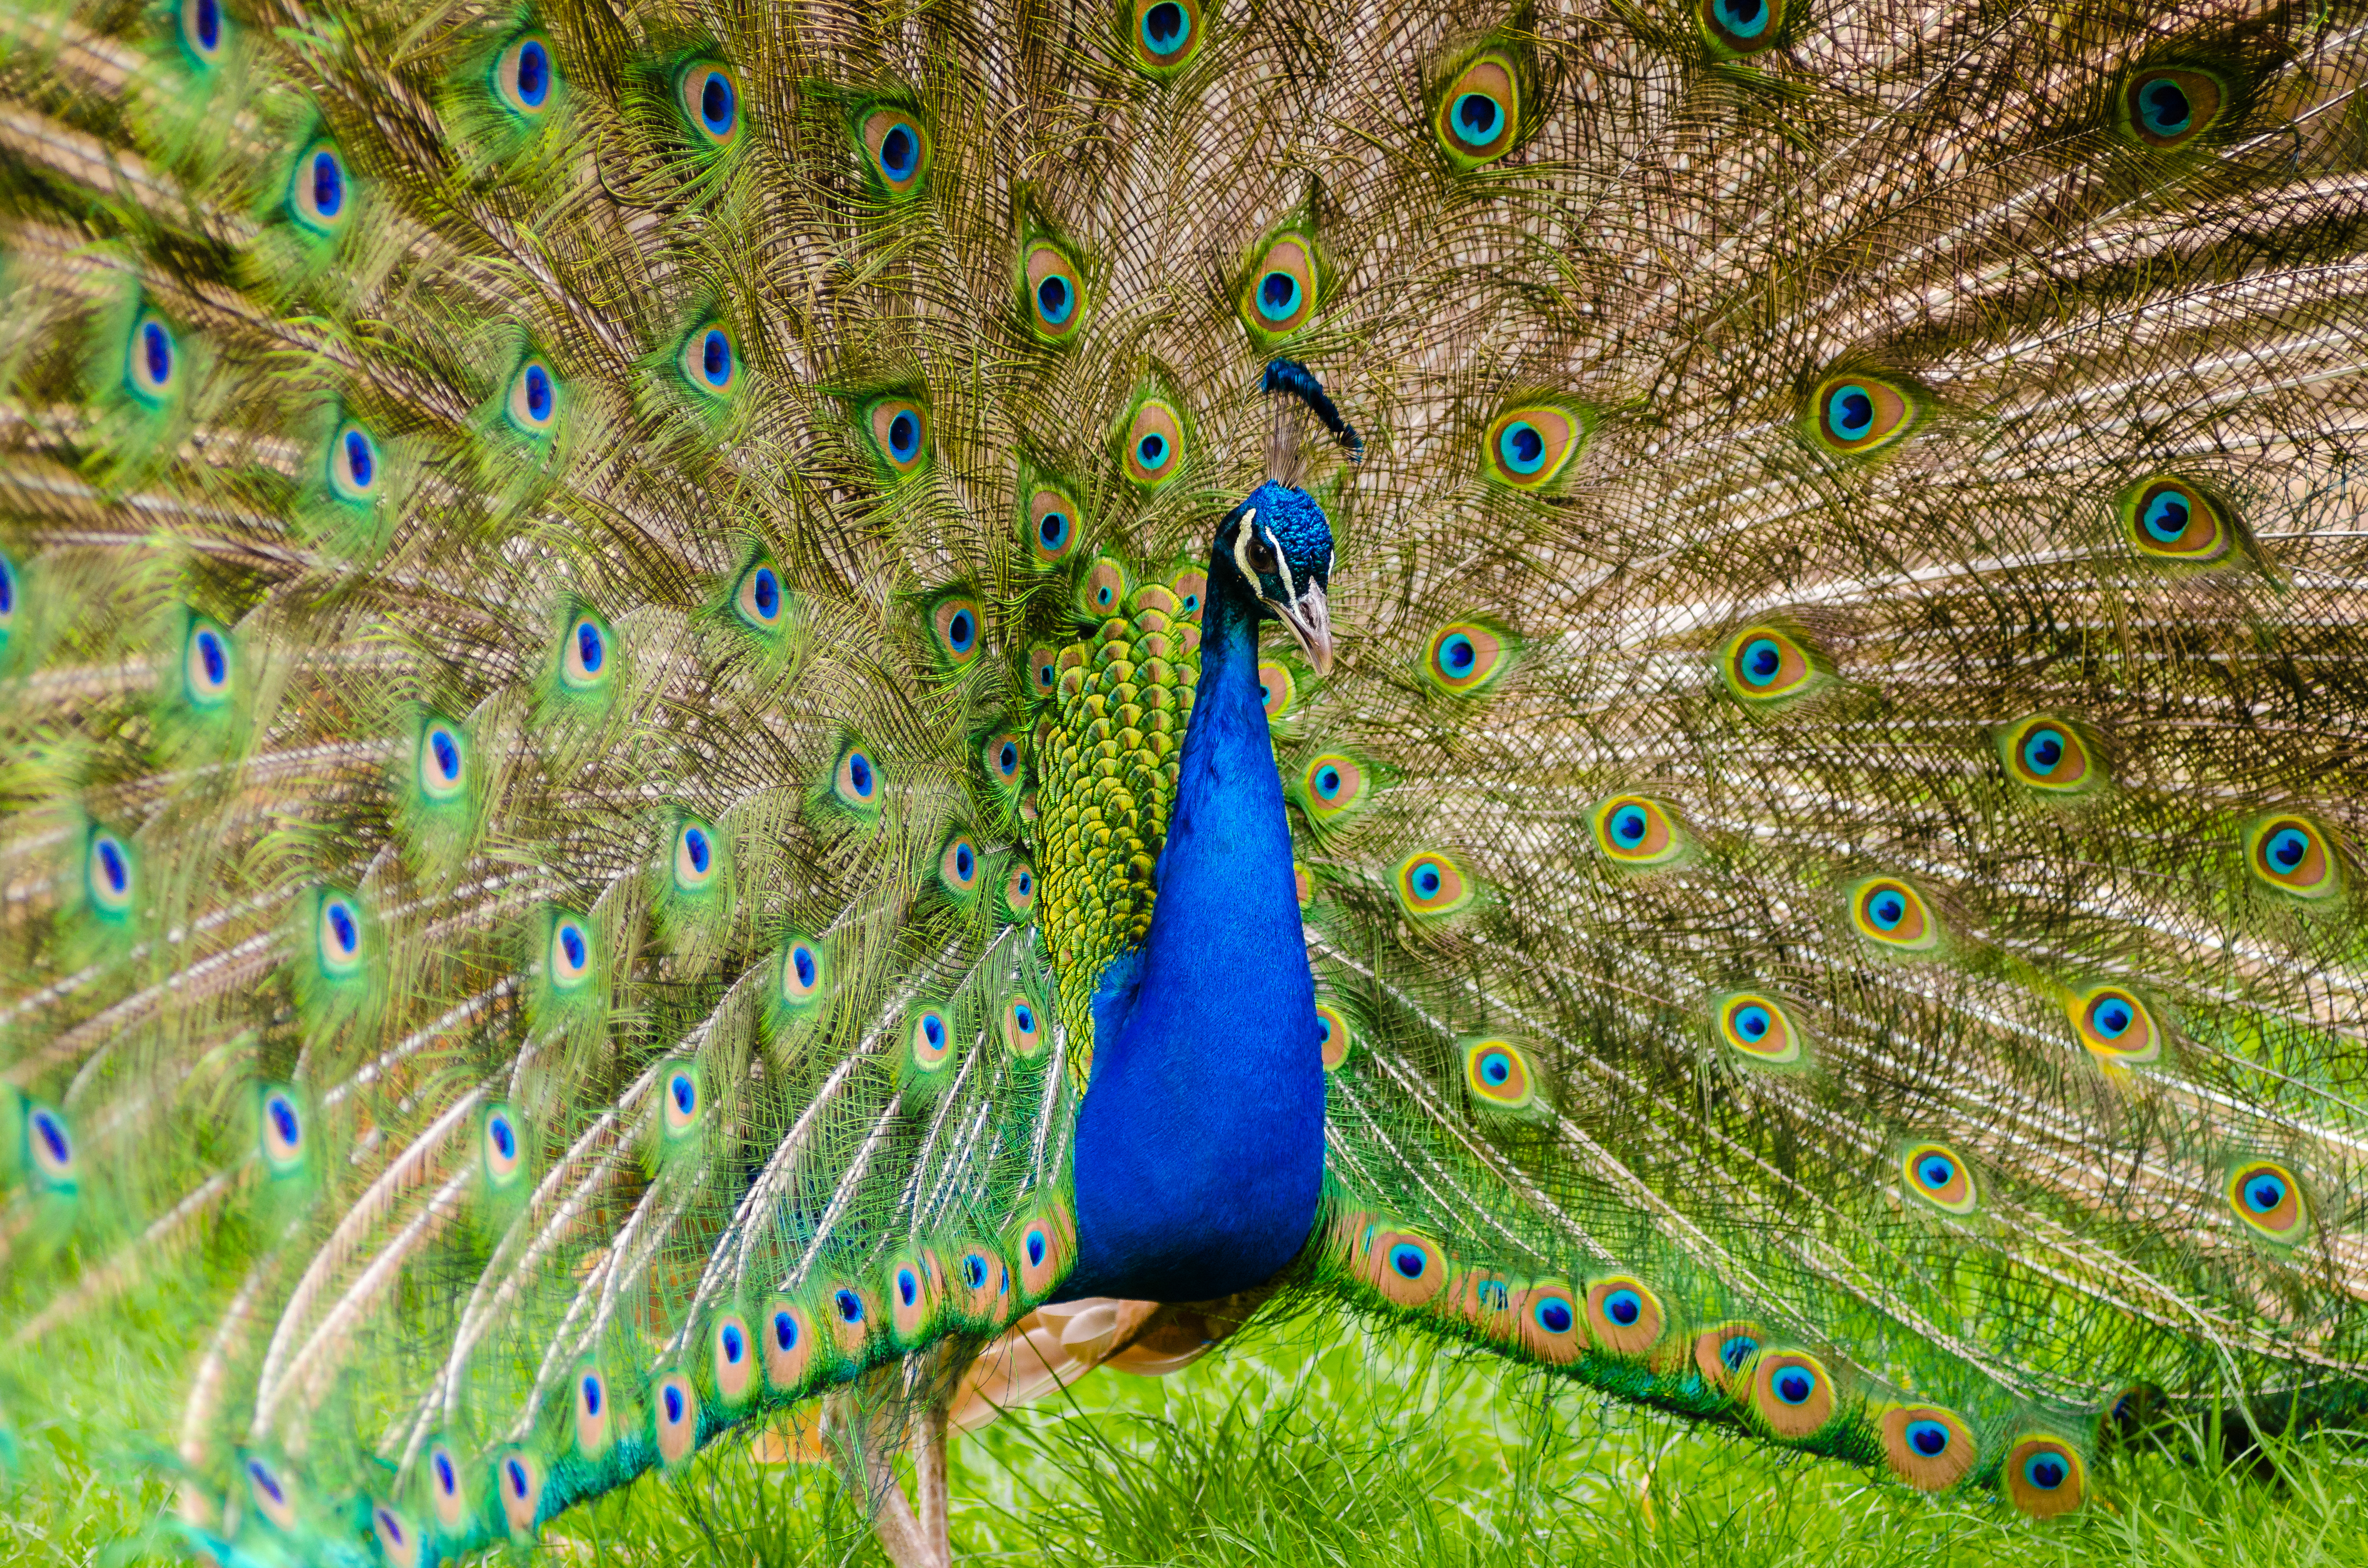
{"x": 803, "y": 972}
{"x": 1740, "y": 27}
{"x": 440, "y": 763}
{"x": 1758, "y": 1026}
{"x": 1190, "y": 586}
{"x": 856, "y": 780}
{"x": 444, "y": 1489}
{"x": 320, "y": 194}
{"x": 586, "y": 659}
{"x": 2114, "y": 1025}
{"x": 283, "y": 1133}
{"x": 1501, "y": 1075}
{"x": 709, "y": 95}
{"x": 900, "y": 434}
{"x": 499, "y": 1146}
{"x": 2292, "y": 854}
{"x": 271, "y": 1491}
{"x": 1334, "y": 1038}
{"x": 1052, "y": 293}
{"x": 1152, "y": 448}
{"x": 398, "y": 1540}
{"x": 1019, "y": 891}
{"x": 518, "y": 1481}
{"x": 759, "y": 599}
{"x": 955, "y": 622}
{"x": 152, "y": 360}
{"x": 895, "y": 150}
{"x": 1405, "y": 1267}
{"x": 51, "y": 1148}
{"x": 1764, "y": 664}
{"x": 682, "y": 1098}
{"x": 567, "y": 960}
{"x": 2048, "y": 753}
{"x": 8, "y": 593}
{"x": 202, "y": 31}
{"x": 1277, "y": 689}
{"x": 1530, "y": 448}
{"x": 1102, "y": 590}
{"x": 1722, "y": 1351}
{"x": 2265, "y": 1196}
{"x": 2168, "y": 107}
{"x": 958, "y": 866}
{"x": 697, "y": 857}
{"x": 2172, "y": 520}
{"x": 106, "y": 875}
{"x": 1479, "y": 114}
{"x": 1927, "y": 1447}
{"x": 1939, "y": 1176}
{"x": 1550, "y": 1323}
{"x": 675, "y": 1406}
{"x": 1634, "y": 831}
{"x": 1429, "y": 885}
{"x": 1624, "y": 1316}
{"x": 2045, "y": 1477}
{"x": 709, "y": 361}
{"x": 1888, "y": 911}
{"x": 1465, "y": 657}
{"x": 1332, "y": 787}
{"x": 532, "y": 403}
{"x": 337, "y": 936}
{"x": 205, "y": 667}
{"x": 1164, "y": 35}
{"x": 787, "y": 1343}
{"x": 1043, "y": 1245}
{"x": 1791, "y": 1394}
{"x": 353, "y": 465}
{"x": 732, "y": 1358}
{"x": 1855, "y": 414}
{"x": 1001, "y": 757}
{"x": 930, "y": 1036}
{"x": 1043, "y": 669}
{"x": 1023, "y": 1028}
{"x": 1051, "y": 527}
{"x": 594, "y": 1413}
{"x": 1281, "y": 294}
{"x": 525, "y": 81}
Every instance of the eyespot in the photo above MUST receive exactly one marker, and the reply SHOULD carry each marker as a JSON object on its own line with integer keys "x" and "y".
{"x": 1333, "y": 786}
{"x": 709, "y": 95}
{"x": 1334, "y": 1038}
{"x": 788, "y": 1344}
{"x": 152, "y": 360}
{"x": 1154, "y": 445}
{"x": 2169, "y": 107}
{"x": 203, "y": 31}
{"x": 282, "y": 1133}
{"x": 1500, "y": 1074}
{"x": 1277, "y": 690}
{"x": 896, "y": 149}
{"x": 2170, "y": 519}
{"x": 911, "y": 1299}
{"x": 675, "y": 1404}
{"x": 592, "y": 1413}
{"x": 1000, "y": 756}
{"x": 1939, "y": 1176}
{"x": 2114, "y": 1025}
{"x": 1405, "y": 1266}
{"x": 931, "y": 1037}
{"x": 1624, "y": 1316}
{"x": 759, "y": 598}
{"x": 1023, "y": 1028}
{"x": 1927, "y": 1447}
{"x": 1164, "y": 35}
{"x": 1053, "y": 293}
{"x": 2045, "y": 1477}
{"x": 1465, "y": 657}
{"x": 568, "y": 960}
{"x": 900, "y": 433}
{"x": 1856, "y": 414}
{"x": 2290, "y": 854}
{"x": 956, "y": 621}
{"x": 271, "y": 1493}
{"x": 2265, "y": 1196}
{"x": 52, "y": 1149}
{"x": 1429, "y": 885}
{"x": 1634, "y": 831}
{"x": 319, "y": 189}
{"x": 1722, "y": 1351}
{"x": 205, "y": 664}
{"x": 1792, "y": 1394}
{"x": 1741, "y": 27}
{"x": 2046, "y": 753}
{"x": 710, "y": 361}
{"x": 1046, "y": 1244}
{"x": 9, "y": 588}
{"x": 444, "y": 1491}
{"x": 1758, "y": 1026}
{"x": 1281, "y": 295}
{"x": 1190, "y": 586}
{"x": 500, "y": 1147}
{"x": 1528, "y": 449}
{"x": 525, "y": 81}
{"x": 1103, "y": 589}
{"x": 732, "y": 1357}
{"x": 682, "y": 1098}
{"x": 856, "y": 781}
{"x": 441, "y": 762}
{"x": 1019, "y": 891}
{"x": 399, "y": 1542}
{"x": 337, "y": 937}
{"x": 1548, "y": 1322}
{"x": 532, "y": 406}
{"x": 1763, "y": 664}
{"x": 958, "y": 866}
{"x": 1051, "y": 528}
{"x": 584, "y": 657}
{"x": 1888, "y": 911}
{"x": 106, "y": 875}
{"x": 353, "y": 465}
{"x": 1479, "y": 115}
{"x": 804, "y": 973}
{"x": 697, "y": 857}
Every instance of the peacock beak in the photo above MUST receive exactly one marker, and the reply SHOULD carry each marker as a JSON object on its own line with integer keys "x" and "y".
{"x": 1310, "y": 619}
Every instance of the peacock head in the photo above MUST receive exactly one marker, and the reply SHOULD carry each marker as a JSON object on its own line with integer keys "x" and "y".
{"x": 1279, "y": 545}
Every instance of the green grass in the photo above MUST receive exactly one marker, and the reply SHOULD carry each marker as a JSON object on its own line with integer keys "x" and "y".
{"x": 1319, "y": 1446}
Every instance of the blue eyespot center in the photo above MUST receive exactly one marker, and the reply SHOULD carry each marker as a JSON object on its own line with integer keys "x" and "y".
{"x": 1426, "y": 882}
{"x": 933, "y": 1030}
{"x": 859, "y": 773}
{"x": 2046, "y": 1472}
{"x": 1477, "y": 118}
{"x": 447, "y": 1482}
{"x": 850, "y": 1306}
{"x": 112, "y": 867}
{"x": 715, "y": 104}
{"x": 1553, "y": 1315}
{"x": 517, "y": 1478}
{"x": 1744, "y": 19}
{"x": 694, "y": 845}
{"x": 1054, "y": 529}
{"x": 1166, "y": 27}
{"x": 1521, "y": 446}
{"x": 1409, "y": 1260}
{"x": 900, "y": 151}
{"x": 907, "y": 1288}
{"x": 802, "y": 961}
{"x": 1936, "y": 1171}
{"x": 673, "y": 1405}
{"x": 965, "y": 863}
{"x": 961, "y": 631}
{"x": 209, "y": 27}
{"x": 1929, "y": 1438}
{"x": 2167, "y": 516}
{"x": 1853, "y": 412}
{"x": 52, "y": 1134}
{"x": 785, "y": 1331}
{"x": 1025, "y": 1018}
{"x": 904, "y": 438}
{"x": 974, "y": 1270}
{"x": 538, "y": 394}
{"x": 1623, "y": 1307}
{"x": 685, "y": 1093}
{"x": 1737, "y": 1350}
{"x": 1035, "y": 1247}
{"x": 362, "y": 463}
{"x": 1628, "y": 826}
{"x": 1458, "y": 655}
{"x": 2264, "y": 1193}
{"x": 1888, "y": 910}
{"x": 504, "y": 1139}
{"x": 2288, "y": 845}
{"x": 1751, "y": 1022}
{"x": 1151, "y": 452}
{"x": 1054, "y": 299}
{"x": 591, "y": 1396}
{"x": 268, "y": 1483}
{"x": 1007, "y": 760}
{"x": 1762, "y": 659}
{"x": 2043, "y": 751}
{"x": 2111, "y": 1018}
{"x": 1328, "y": 782}
{"x": 328, "y": 183}
{"x": 1496, "y": 1068}
{"x": 1793, "y": 1385}
{"x": 390, "y": 1526}
{"x": 209, "y": 656}
{"x": 1278, "y": 296}
{"x": 533, "y": 79}
{"x": 715, "y": 357}
{"x": 766, "y": 590}
{"x": 2164, "y": 107}
{"x": 156, "y": 348}
{"x": 342, "y": 930}
{"x": 571, "y": 944}
{"x": 446, "y": 752}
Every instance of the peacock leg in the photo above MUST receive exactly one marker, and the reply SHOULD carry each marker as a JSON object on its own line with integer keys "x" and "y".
{"x": 943, "y": 1370}
{"x": 867, "y": 1433}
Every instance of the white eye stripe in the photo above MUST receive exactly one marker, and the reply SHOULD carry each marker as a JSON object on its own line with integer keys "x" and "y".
{"x": 1241, "y": 545}
{"x": 1283, "y": 564}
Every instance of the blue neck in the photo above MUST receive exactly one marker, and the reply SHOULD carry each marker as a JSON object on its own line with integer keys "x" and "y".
{"x": 1200, "y": 1152}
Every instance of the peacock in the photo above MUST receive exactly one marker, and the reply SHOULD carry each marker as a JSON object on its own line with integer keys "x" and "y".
{"x": 728, "y": 723}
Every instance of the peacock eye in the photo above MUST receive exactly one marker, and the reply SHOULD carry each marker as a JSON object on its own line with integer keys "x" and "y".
{"x": 900, "y": 433}
{"x": 1153, "y": 447}
{"x": 896, "y": 148}
{"x": 202, "y": 31}
{"x": 1854, "y": 415}
{"x": 1281, "y": 294}
{"x": 711, "y": 101}
{"x": 1055, "y": 293}
{"x": 2170, "y": 520}
{"x": 1162, "y": 35}
{"x": 1530, "y": 448}
{"x": 1479, "y": 115}
{"x": 1741, "y": 27}
{"x": 319, "y": 193}
{"x": 523, "y": 77}
{"x": 2169, "y": 107}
